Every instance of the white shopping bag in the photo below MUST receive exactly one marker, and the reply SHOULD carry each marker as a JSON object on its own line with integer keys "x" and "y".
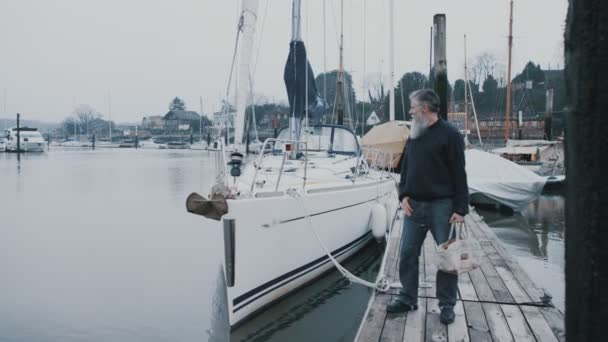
{"x": 460, "y": 253}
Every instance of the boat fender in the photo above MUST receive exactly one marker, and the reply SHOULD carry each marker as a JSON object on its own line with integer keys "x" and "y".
{"x": 377, "y": 221}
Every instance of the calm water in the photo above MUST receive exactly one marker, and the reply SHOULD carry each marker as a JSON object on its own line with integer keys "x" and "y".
{"x": 536, "y": 239}
{"x": 97, "y": 246}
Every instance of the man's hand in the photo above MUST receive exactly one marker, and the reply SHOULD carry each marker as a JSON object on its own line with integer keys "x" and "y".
{"x": 405, "y": 204}
{"x": 456, "y": 218}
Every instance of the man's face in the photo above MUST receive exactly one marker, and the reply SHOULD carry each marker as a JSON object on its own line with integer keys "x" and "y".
{"x": 420, "y": 120}
{"x": 418, "y": 111}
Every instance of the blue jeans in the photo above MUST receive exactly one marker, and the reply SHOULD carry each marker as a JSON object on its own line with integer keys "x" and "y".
{"x": 433, "y": 215}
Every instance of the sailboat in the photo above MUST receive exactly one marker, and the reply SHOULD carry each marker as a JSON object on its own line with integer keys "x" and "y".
{"x": 290, "y": 213}
{"x": 200, "y": 144}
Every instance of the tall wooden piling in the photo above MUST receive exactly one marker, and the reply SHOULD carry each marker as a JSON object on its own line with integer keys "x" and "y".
{"x": 586, "y": 51}
{"x": 440, "y": 75}
{"x": 18, "y": 133}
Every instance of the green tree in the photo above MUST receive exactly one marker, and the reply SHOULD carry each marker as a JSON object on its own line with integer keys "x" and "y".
{"x": 531, "y": 72}
{"x": 458, "y": 91}
{"x": 177, "y": 104}
{"x": 490, "y": 95}
{"x": 409, "y": 82}
{"x": 331, "y": 79}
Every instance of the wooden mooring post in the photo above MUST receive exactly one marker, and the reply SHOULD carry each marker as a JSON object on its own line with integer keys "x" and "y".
{"x": 440, "y": 75}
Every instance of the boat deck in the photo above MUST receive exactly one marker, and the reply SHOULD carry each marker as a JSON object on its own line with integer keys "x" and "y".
{"x": 496, "y": 302}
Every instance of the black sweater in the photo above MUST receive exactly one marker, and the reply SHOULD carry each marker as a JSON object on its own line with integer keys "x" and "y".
{"x": 433, "y": 167}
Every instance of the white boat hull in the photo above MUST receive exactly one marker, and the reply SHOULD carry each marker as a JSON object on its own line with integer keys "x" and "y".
{"x": 198, "y": 146}
{"x": 275, "y": 249}
{"x": 26, "y": 146}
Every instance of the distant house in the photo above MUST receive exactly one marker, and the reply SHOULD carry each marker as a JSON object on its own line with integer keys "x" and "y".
{"x": 224, "y": 117}
{"x": 153, "y": 122}
{"x": 181, "y": 120}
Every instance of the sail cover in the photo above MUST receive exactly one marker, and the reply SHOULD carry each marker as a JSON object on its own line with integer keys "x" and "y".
{"x": 299, "y": 77}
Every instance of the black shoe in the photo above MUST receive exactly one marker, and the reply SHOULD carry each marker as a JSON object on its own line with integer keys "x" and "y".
{"x": 447, "y": 315}
{"x": 398, "y": 306}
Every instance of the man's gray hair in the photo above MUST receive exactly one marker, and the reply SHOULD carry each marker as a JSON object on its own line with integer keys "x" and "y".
{"x": 427, "y": 97}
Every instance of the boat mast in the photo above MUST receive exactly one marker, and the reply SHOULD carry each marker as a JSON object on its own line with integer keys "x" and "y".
{"x": 296, "y": 30}
{"x": 508, "y": 111}
{"x": 4, "y": 112}
{"x": 364, "y": 60}
{"x": 391, "y": 61}
{"x": 200, "y": 125}
{"x": 324, "y": 53}
{"x": 110, "y": 115}
{"x": 340, "y": 83}
{"x": 466, "y": 100}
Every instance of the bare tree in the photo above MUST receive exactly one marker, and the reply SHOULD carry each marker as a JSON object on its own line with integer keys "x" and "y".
{"x": 483, "y": 65}
{"x": 85, "y": 116}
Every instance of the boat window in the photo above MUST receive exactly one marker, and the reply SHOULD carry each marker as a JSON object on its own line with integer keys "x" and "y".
{"x": 344, "y": 141}
{"x": 333, "y": 139}
{"x": 318, "y": 138}
{"x": 29, "y": 134}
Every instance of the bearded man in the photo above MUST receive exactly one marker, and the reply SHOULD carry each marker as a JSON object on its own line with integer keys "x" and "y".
{"x": 434, "y": 194}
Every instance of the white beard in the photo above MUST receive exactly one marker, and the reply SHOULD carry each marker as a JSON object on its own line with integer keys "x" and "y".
{"x": 418, "y": 128}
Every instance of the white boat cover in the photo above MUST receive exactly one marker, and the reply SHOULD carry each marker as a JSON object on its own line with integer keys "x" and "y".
{"x": 501, "y": 180}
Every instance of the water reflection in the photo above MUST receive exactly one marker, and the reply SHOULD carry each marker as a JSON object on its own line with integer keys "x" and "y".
{"x": 328, "y": 309}
{"x": 219, "y": 327}
{"x": 536, "y": 238}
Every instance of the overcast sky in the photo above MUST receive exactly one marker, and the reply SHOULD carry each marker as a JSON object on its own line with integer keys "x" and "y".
{"x": 55, "y": 55}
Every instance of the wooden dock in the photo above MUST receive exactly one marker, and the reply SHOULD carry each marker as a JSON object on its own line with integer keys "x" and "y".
{"x": 496, "y": 302}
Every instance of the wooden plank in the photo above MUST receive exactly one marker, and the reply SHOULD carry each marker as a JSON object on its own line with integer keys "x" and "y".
{"x": 421, "y": 273}
{"x": 373, "y": 321}
{"x": 422, "y": 270}
{"x": 499, "y": 329}
{"x": 555, "y": 319}
{"x": 518, "y": 293}
{"x": 415, "y": 323}
{"x": 501, "y": 293}
{"x": 435, "y": 330}
{"x": 481, "y": 228}
{"x": 517, "y": 323}
{"x": 392, "y": 258}
{"x": 430, "y": 265}
{"x": 394, "y": 327}
{"x": 476, "y": 321}
{"x": 541, "y": 329}
{"x": 458, "y": 331}
{"x": 527, "y": 284}
{"x": 466, "y": 290}
{"x": 482, "y": 288}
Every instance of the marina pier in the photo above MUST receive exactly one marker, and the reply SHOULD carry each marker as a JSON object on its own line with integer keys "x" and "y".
{"x": 496, "y": 302}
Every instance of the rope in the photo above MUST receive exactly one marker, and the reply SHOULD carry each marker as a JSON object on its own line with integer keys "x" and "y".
{"x": 381, "y": 284}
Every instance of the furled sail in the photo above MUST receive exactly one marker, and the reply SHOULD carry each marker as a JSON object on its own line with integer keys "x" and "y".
{"x": 299, "y": 77}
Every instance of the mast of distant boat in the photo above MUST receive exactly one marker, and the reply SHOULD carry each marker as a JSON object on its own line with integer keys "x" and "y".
{"x": 466, "y": 100}
{"x": 508, "y": 110}
{"x": 110, "y": 115}
{"x": 467, "y": 85}
{"x": 200, "y": 124}
{"x": 340, "y": 81}
{"x": 391, "y": 60}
